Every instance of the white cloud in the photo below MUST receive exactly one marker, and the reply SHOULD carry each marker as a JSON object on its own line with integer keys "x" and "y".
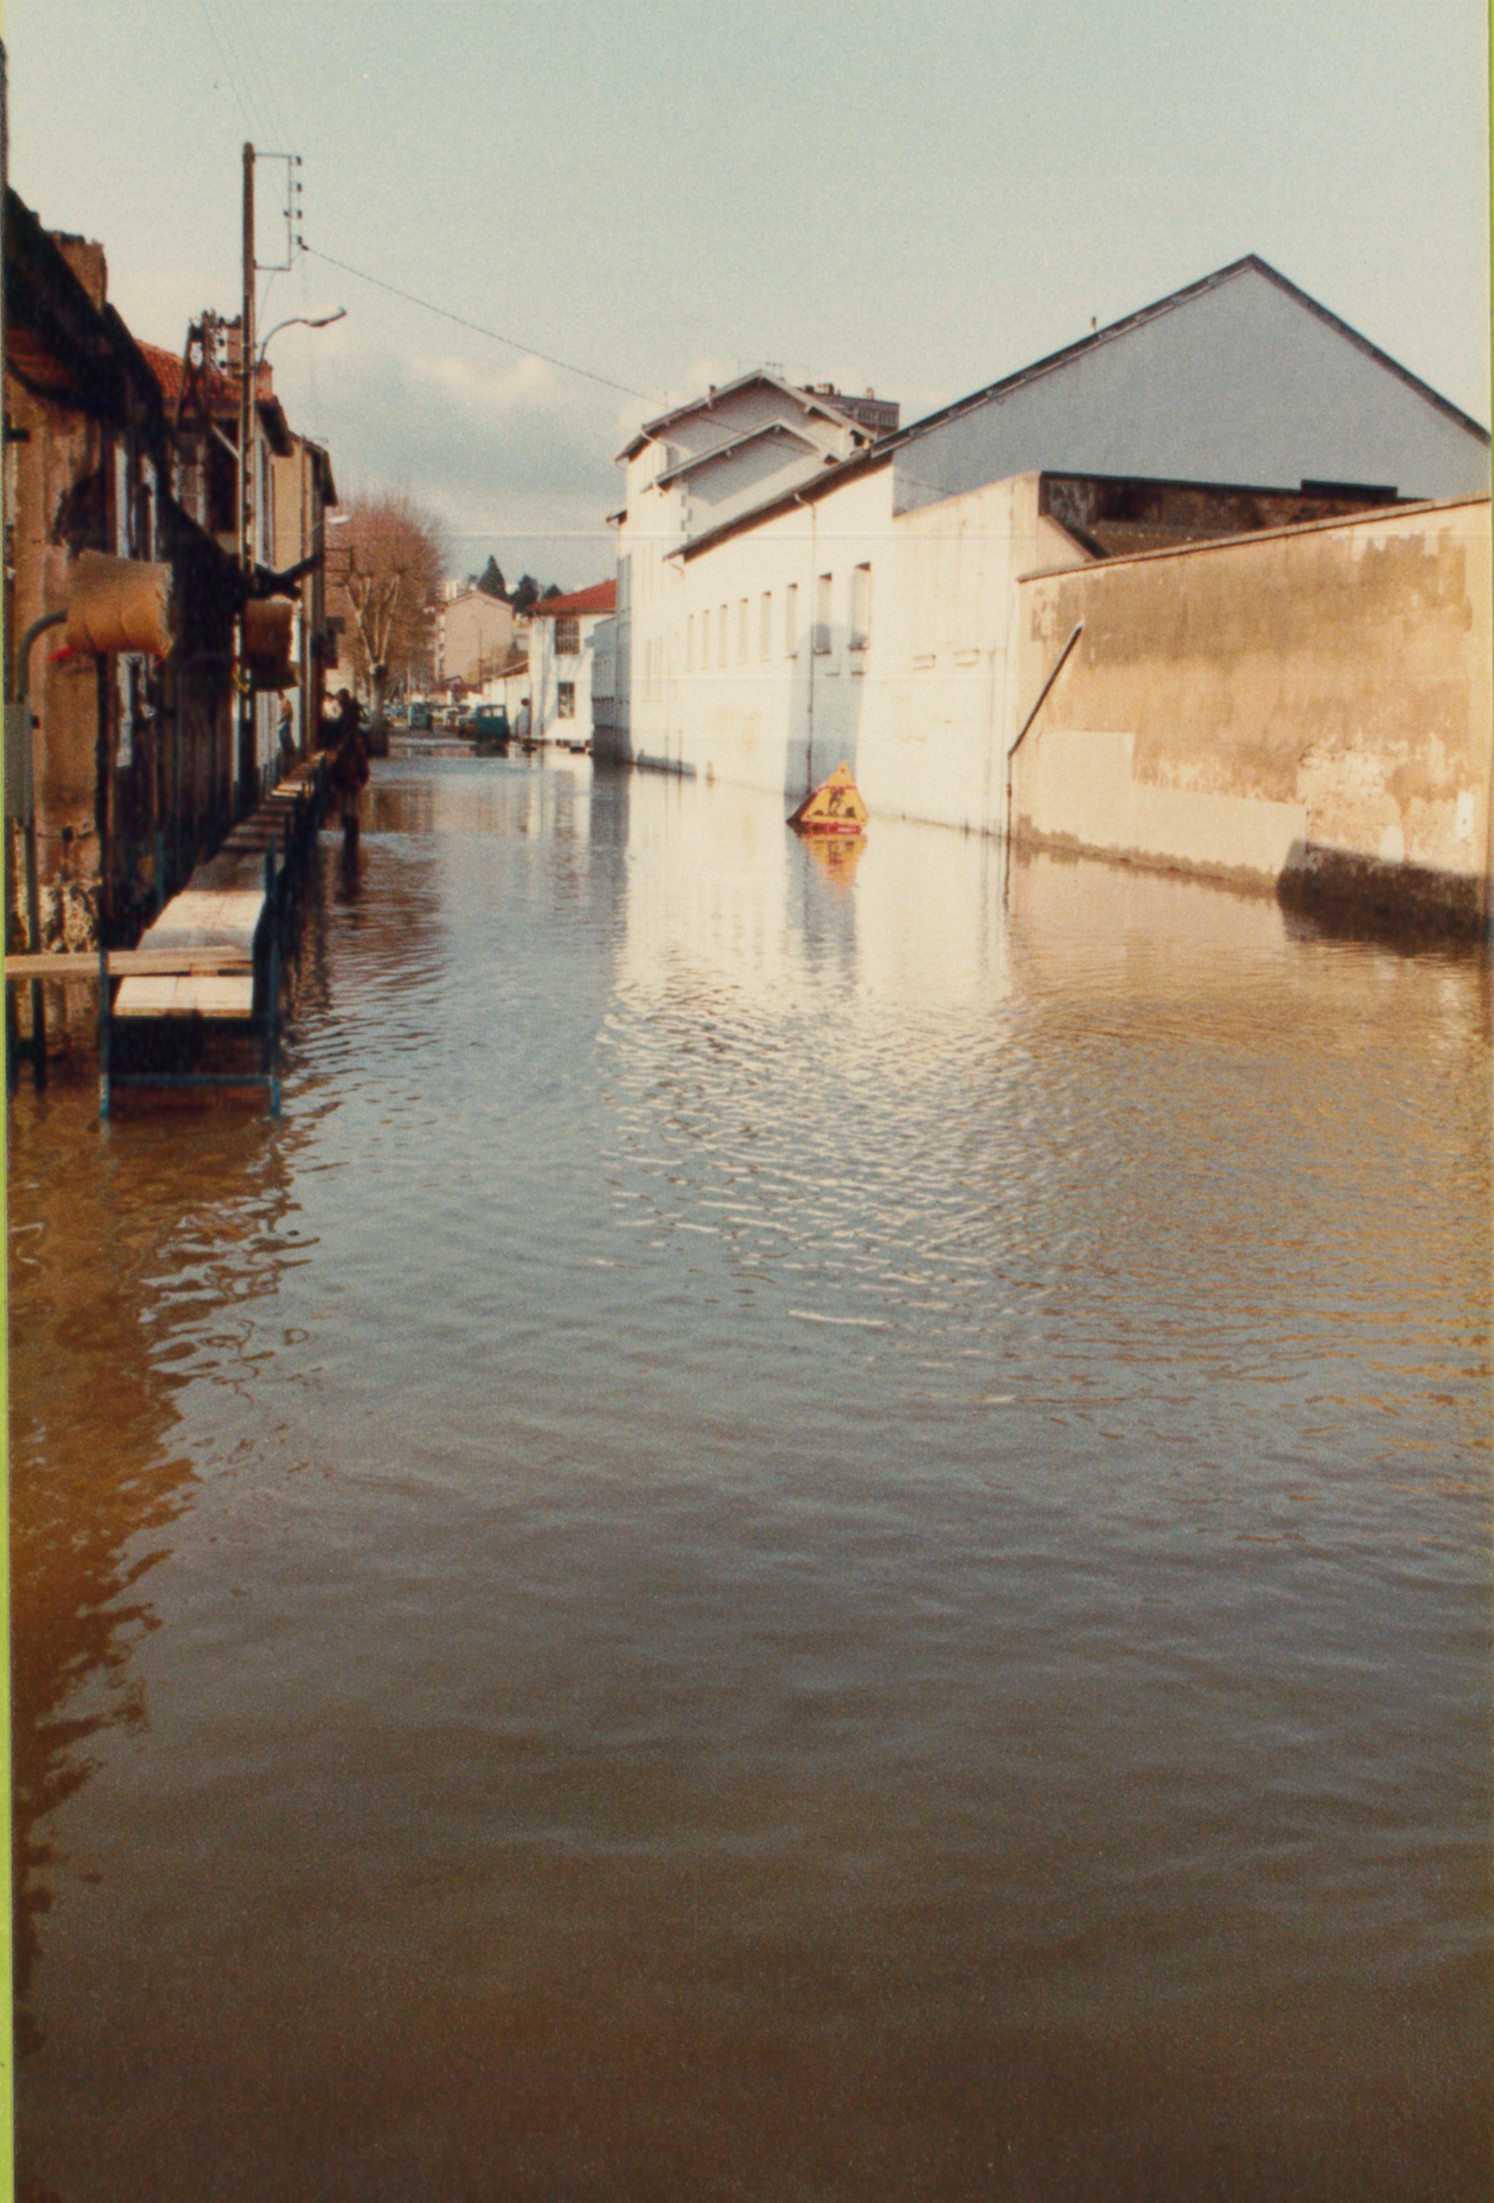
{"x": 521, "y": 381}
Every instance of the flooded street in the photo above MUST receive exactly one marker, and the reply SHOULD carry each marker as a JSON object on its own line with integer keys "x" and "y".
{"x": 804, "y": 1533}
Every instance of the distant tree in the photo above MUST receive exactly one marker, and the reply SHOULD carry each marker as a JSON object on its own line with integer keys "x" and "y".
{"x": 385, "y": 579}
{"x": 526, "y": 596}
{"x": 552, "y": 589}
{"x": 491, "y": 581}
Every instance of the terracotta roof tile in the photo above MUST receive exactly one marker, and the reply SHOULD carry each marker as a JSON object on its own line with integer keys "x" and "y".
{"x": 600, "y": 597}
{"x": 168, "y": 371}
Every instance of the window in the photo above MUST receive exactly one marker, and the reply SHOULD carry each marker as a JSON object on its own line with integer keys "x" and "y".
{"x": 822, "y": 590}
{"x": 765, "y": 632}
{"x": 690, "y": 644}
{"x": 721, "y": 638}
{"x": 567, "y": 638}
{"x": 860, "y": 607}
{"x": 791, "y": 619}
{"x": 705, "y": 642}
{"x": 742, "y": 632}
{"x": 566, "y": 705}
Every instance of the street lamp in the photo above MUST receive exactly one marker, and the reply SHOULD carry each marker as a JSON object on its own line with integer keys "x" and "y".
{"x": 300, "y": 321}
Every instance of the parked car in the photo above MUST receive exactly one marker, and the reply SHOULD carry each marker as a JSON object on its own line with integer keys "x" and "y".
{"x": 489, "y": 723}
{"x": 421, "y": 717}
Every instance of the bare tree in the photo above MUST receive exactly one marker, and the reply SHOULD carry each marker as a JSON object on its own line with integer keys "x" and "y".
{"x": 385, "y": 579}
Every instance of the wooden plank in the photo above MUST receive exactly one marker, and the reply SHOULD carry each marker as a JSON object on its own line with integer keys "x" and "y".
{"x": 193, "y": 920}
{"x": 127, "y": 964}
{"x": 225, "y": 997}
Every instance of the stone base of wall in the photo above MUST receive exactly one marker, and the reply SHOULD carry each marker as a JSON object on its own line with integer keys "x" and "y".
{"x": 1241, "y": 879}
{"x": 1366, "y": 895}
{"x": 646, "y": 764}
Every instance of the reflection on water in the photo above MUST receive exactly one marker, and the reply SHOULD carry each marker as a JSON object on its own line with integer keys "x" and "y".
{"x": 807, "y": 1531}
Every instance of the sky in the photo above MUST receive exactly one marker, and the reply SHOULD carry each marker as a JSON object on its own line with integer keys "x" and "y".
{"x": 915, "y": 198}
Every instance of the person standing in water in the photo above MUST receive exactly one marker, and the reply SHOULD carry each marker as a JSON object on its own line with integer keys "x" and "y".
{"x": 349, "y": 771}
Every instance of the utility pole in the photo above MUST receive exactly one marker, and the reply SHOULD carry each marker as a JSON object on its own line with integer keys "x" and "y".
{"x": 248, "y": 764}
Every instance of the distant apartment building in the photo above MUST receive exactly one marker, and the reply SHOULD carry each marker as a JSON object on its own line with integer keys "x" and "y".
{"x": 561, "y": 640}
{"x": 474, "y": 636}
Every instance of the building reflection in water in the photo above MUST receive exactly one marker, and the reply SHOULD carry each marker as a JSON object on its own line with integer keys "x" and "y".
{"x": 131, "y": 1249}
{"x": 810, "y": 1530}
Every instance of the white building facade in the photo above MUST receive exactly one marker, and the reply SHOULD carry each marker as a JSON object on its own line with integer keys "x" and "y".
{"x": 784, "y": 606}
{"x": 561, "y": 636}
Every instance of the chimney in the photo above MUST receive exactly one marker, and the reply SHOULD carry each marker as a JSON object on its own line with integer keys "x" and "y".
{"x": 87, "y": 262}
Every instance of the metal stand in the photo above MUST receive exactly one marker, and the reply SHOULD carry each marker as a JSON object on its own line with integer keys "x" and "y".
{"x": 291, "y": 851}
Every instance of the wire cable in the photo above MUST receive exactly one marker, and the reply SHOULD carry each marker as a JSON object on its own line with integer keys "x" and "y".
{"x": 257, "y": 70}
{"x": 230, "y": 67}
{"x": 531, "y": 351}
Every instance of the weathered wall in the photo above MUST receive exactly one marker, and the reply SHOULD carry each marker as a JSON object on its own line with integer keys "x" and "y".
{"x": 1311, "y": 704}
{"x": 57, "y": 498}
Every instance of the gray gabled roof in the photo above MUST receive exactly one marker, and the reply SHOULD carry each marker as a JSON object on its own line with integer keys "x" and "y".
{"x": 886, "y": 447}
{"x": 1252, "y": 263}
{"x": 776, "y": 427}
{"x": 805, "y": 398}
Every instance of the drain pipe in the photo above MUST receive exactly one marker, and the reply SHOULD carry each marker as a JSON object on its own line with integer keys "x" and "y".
{"x": 804, "y": 504}
{"x": 19, "y": 713}
{"x": 1042, "y": 697}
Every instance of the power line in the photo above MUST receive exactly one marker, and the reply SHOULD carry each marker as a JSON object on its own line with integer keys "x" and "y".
{"x": 567, "y": 367}
{"x": 256, "y": 69}
{"x": 230, "y": 65}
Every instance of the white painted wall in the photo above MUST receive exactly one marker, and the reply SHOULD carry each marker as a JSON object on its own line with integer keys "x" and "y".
{"x": 921, "y": 712}
{"x": 719, "y": 489}
{"x": 549, "y": 668}
{"x": 1241, "y": 384}
{"x": 604, "y": 689}
{"x": 659, "y": 518}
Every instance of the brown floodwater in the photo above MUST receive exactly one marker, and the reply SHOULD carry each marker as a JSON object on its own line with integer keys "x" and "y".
{"x": 810, "y": 1530}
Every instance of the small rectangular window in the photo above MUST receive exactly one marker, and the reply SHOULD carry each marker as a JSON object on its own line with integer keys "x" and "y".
{"x": 567, "y": 638}
{"x": 765, "y": 632}
{"x": 791, "y": 619}
{"x": 822, "y": 602}
{"x": 566, "y": 705}
{"x": 705, "y": 642}
{"x": 742, "y": 632}
{"x": 860, "y": 607}
{"x": 690, "y": 644}
{"x": 721, "y": 638}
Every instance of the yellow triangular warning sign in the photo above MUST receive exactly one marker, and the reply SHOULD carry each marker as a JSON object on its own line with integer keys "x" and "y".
{"x": 834, "y": 808}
